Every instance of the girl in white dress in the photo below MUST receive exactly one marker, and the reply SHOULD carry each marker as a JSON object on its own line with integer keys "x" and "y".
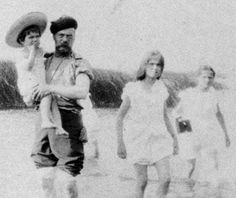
{"x": 143, "y": 127}
{"x": 201, "y": 106}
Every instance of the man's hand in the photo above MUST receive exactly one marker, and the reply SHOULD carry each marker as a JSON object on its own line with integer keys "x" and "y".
{"x": 41, "y": 91}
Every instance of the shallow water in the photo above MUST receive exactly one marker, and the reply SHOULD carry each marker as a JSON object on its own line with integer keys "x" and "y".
{"x": 107, "y": 177}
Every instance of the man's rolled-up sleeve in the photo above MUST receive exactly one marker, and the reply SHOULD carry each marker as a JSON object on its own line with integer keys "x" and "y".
{"x": 84, "y": 67}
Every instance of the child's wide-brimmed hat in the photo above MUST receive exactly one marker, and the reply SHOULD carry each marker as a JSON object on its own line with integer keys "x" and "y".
{"x": 32, "y": 18}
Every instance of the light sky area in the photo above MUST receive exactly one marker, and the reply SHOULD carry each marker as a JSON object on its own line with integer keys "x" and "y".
{"x": 114, "y": 34}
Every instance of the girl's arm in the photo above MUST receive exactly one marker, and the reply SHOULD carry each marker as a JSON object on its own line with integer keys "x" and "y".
{"x": 119, "y": 127}
{"x": 221, "y": 121}
{"x": 170, "y": 129}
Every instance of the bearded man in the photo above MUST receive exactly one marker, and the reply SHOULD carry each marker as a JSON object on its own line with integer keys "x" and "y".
{"x": 68, "y": 80}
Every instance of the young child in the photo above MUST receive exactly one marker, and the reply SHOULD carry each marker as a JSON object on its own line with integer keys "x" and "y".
{"x": 25, "y": 33}
{"x": 143, "y": 126}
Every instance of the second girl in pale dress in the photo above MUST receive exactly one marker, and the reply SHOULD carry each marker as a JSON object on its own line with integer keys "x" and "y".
{"x": 201, "y": 106}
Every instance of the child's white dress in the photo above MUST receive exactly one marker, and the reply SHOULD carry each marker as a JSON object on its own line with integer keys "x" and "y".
{"x": 200, "y": 108}
{"x": 28, "y": 79}
{"x": 145, "y": 134}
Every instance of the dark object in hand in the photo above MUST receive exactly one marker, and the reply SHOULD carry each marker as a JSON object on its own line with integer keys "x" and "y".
{"x": 183, "y": 126}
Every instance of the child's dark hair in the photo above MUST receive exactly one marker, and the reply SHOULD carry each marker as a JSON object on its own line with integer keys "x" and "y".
{"x": 27, "y": 31}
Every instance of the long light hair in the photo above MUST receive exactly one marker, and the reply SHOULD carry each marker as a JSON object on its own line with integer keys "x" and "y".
{"x": 156, "y": 55}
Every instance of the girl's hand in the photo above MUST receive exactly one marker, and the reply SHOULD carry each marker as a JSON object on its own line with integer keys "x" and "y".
{"x": 227, "y": 141}
{"x": 121, "y": 150}
{"x": 34, "y": 46}
{"x": 37, "y": 44}
{"x": 175, "y": 146}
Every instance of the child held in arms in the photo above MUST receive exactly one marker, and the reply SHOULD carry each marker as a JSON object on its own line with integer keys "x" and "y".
{"x": 25, "y": 33}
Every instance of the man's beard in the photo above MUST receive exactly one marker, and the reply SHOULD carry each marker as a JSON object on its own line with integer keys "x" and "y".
{"x": 63, "y": 50}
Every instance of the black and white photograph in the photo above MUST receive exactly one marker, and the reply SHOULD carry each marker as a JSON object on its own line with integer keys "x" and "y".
{"x": 118, "y": 99}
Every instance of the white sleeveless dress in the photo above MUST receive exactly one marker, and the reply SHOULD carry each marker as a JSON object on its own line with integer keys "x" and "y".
{"x": 145, "y": 134}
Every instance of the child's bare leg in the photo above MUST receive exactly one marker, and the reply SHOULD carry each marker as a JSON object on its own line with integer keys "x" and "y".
{"x": 163, "y": 171}
{"x": 212, "y": 155}
{"x": 45, "y": 110}
{"x": 57, "y": 119}
{"x": 141, "y": 180}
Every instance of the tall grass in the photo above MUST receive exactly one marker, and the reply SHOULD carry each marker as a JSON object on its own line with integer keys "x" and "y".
{"x": 105, "y": 89}
{"x": 9, "y": 94}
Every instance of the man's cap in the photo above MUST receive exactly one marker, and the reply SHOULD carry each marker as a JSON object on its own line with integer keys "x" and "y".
{"x": 62, "y": 23}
